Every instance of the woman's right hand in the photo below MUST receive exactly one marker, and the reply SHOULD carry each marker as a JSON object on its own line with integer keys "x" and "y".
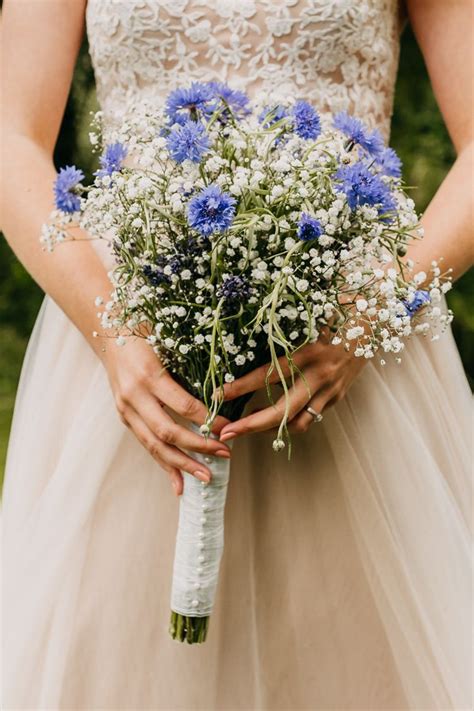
{"x": 142, "y": 389}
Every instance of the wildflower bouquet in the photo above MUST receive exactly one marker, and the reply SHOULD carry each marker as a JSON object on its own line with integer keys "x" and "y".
{"x": 240, "y": 233}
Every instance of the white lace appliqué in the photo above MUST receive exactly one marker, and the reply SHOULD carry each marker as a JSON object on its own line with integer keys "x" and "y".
{"x": 340, "y": 54}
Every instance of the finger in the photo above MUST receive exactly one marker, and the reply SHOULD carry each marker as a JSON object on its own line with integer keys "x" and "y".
{"x": 146, "y": 438}
{"x": 262, "y": 375}
{"x": 170, "y": 432}
{"x": 303, "y": 420}
{"x": 272, "y": 416}
{"x": 183, "y": 403}
{"x": 169, "y": 457}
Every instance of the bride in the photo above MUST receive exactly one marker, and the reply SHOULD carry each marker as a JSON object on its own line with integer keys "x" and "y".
{"x": 345, "y": 581}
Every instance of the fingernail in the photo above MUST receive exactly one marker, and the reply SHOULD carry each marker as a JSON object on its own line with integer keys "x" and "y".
{"x": 202, "y": 476}
{"x": 223, "y": 453}
{"x": 175, "y": 487}
{"x": 227, "y": 435}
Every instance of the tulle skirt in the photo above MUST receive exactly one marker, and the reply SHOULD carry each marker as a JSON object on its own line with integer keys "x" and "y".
{"x": 345, "y": 581}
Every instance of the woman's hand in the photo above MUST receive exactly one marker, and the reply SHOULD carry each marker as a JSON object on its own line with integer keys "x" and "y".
{"x": 143, "y": 388}
{"x": 328, "y": 372}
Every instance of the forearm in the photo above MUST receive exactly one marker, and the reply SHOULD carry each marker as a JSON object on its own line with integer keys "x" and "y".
{"x": 73, "y": 274}
{"x": 448, "y": 221}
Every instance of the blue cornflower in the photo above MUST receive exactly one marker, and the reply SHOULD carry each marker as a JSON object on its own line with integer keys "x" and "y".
{"x": 358, "y": 133}
{"x": 272, "y": 114}
{"x": 237, "y": 101}
{"x": 420, "y": 298}
{"x": 188, "y": 101}
{"x": 309, "y": 227}
{"x": 211, "y": 211}
{"x": 389, "y": 162}
{"x": 364, "y": 188}
{"x": 111, "y": 160}
{"x": 188, "y": 142}
{"x": 307, "y": 123}
{"x": 234, "y": 289}
{"x": 66, "y": 182}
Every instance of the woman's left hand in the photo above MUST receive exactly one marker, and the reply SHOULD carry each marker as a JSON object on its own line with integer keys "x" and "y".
{"x": 328, "y": 372}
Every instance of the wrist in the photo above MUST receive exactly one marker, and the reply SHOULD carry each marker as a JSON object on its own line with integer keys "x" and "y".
{"x": 107, "y": 350}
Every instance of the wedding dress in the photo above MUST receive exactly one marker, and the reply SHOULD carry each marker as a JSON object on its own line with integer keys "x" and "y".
{"x": 345, "y": 581}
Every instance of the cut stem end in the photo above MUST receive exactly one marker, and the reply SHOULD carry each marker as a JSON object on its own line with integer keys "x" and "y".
{"x": 192, "y": 630}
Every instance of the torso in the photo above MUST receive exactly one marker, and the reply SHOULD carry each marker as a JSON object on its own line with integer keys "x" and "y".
{"x": 340, "y": 54}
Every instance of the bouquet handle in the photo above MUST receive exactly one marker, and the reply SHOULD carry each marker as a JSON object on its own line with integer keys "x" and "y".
{"x": 199, "y": 547}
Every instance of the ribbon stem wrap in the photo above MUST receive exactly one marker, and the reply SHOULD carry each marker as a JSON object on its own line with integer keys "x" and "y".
{"x": 199, "y": 546}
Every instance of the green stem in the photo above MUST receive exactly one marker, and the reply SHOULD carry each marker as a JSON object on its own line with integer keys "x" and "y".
{"x": 192, "y": 630}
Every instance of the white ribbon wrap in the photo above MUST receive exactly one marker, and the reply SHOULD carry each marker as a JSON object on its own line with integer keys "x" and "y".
{"x": 200, "y": 538}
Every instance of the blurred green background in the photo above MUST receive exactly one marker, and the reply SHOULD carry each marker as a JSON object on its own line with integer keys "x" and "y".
{"x": 418, "y": 134}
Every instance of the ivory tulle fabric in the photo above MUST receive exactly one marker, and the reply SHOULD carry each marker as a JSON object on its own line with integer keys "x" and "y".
{"x": 346, "y": 576}
{"x": 345, "y": 581}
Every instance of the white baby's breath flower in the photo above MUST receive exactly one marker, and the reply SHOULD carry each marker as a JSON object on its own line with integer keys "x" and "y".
{"x": 325, "y": 240}
{"x": 435, "y": 295}
{"x": 143, "y": 213}
{"x": 355, "y": 332}
{"x": 278, "y": 445}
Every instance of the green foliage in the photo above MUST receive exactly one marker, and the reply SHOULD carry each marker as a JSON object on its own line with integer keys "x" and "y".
{"x": 12, "y": 347}
{"x": 73, "y": 144}
{"x": 19, "y": 296}
{"x": 418, "y": 134}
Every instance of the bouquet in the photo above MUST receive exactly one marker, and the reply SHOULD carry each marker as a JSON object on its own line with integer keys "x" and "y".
{"x": 241, "y": 232}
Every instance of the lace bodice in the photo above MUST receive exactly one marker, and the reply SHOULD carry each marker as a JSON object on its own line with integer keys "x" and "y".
{"x": 340, "y": 54}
